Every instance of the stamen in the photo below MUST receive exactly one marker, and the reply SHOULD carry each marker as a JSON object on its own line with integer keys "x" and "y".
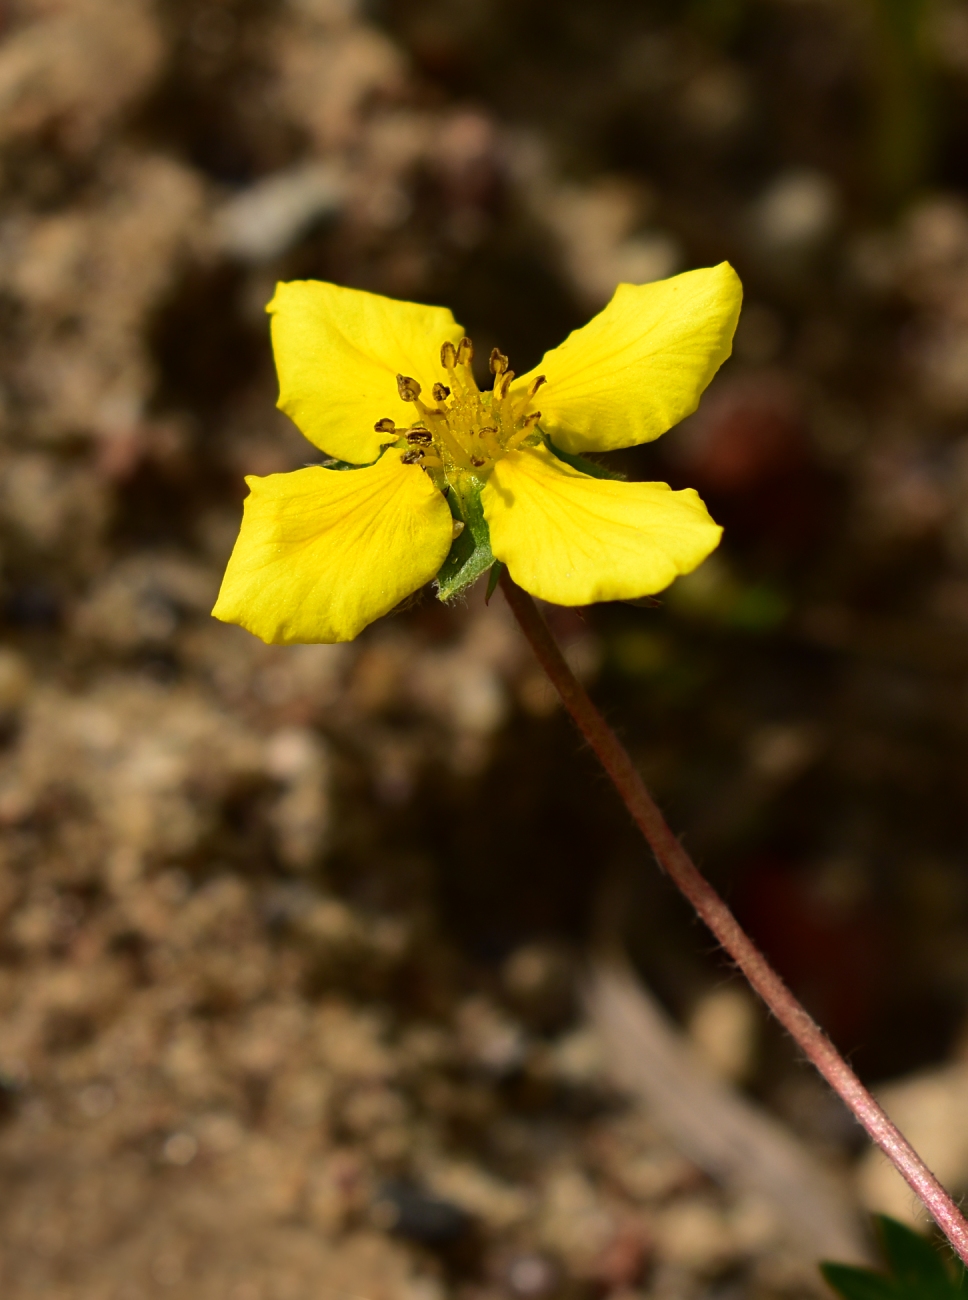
{"x": 502, "y": 385}
{"x": 464, "y": 430}
{"x": 491, "y": 440}
{"x": 519, "y": 438}
{"x": 449, "y": 445}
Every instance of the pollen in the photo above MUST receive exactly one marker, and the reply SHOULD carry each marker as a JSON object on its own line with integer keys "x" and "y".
{"x": 465, "y": 431}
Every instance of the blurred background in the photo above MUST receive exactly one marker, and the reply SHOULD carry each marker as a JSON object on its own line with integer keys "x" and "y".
{"x": 294, "y": 950}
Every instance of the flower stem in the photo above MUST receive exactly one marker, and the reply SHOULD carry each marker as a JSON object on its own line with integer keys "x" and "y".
{"x": 677, "y": 864}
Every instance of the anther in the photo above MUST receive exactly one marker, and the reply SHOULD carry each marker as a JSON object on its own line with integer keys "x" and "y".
{"x": 448, "y": 355}
{"x": 385, "y": 426}
{"x": 531, "y": 418}
{"x": 476, "y": 461}
{"x": 408, "y": 388}
{"x": 488, "y": 428}
{"x": 536, "y": 384}
{"x": 499, "y": 362}
{"x": 503, "y": 384}
{"x": 465, "y": 351}
{"x": 420, "y": 435}
{"x": 411, "y": 457}
{"x": 441, "y": 392}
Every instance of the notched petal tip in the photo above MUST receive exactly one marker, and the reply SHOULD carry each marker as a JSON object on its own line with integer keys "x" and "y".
{"x": 574, "y": 540}
{"x": 641, "y": 365}
{"x": 322, "y": 553}
{"x": 337, "y": 354}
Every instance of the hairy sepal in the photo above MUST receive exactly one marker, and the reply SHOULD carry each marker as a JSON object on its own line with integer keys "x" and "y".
{"x": 585, "y": 466}
{"x": 470, "y": 555}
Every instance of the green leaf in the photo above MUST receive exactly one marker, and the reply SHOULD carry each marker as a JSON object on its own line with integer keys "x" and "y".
{"x": 917, "y": 1270}
{"x": 918, "y": 1267}
{"x": 590, "y": 467}
{"x": 470, "y": 555}
{"x": 859, "y": 1283}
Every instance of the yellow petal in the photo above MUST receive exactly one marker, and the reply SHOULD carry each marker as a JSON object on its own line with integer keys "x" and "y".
{"x": 572, "y": 539}
{"x": 641, "y": 365}
{"x": 338, "y": 353}
{"x": 323, "y": 552}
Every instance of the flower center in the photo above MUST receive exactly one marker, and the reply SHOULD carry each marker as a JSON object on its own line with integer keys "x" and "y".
{"x": 465, "y": 431}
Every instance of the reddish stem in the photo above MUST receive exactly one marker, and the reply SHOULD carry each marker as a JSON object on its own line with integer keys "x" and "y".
{"x": 676, "y": 862}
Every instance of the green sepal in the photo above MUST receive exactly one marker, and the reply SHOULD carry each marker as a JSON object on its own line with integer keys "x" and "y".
{"x": 470, "y": 554}
{"x": 493, "y": 578}
{"x": 332, "y": 463}
{"x": 590, "y": 467}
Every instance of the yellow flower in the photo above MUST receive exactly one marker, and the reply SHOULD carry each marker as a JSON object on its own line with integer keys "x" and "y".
{"x": 431, "y": 478}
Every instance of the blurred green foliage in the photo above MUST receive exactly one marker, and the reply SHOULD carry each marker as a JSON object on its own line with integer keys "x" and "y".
{"x": 903, "y": 142}
{"x": 916, "y": 1270}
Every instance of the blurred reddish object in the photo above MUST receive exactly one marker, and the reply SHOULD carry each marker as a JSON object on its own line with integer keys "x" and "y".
{"x": 746, "y": 450}
{"x": 826, "y": 945}
{"x": 624, "y": 1260}
{"x": 747, "y": 432}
